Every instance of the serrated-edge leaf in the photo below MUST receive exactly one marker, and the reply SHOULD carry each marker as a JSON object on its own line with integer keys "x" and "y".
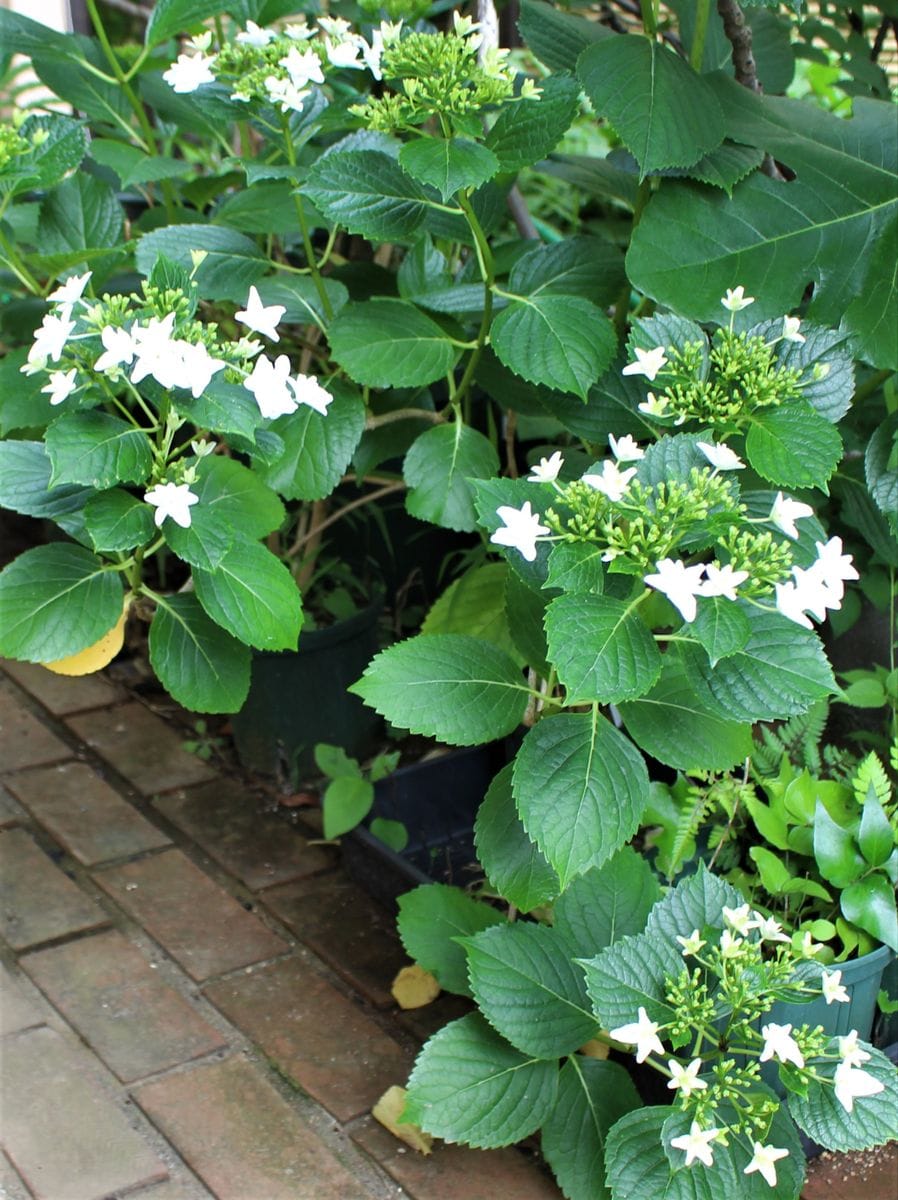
{"x": 200, "y": 664}
{"x": 431, "y": 918}
{"x": 513, "y": 863}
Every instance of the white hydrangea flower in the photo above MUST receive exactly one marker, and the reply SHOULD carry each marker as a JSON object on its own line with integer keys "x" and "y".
{"x": 691, "y": 944}
{"x": 173, "y": 500}
{"x": 269, "y": 384}
{"x": 613, "y": 482}
{"x": 697, "y": 1144}
{"x": 547, "y": 469}
{"x": 254, "y": 35}
{"x": 654, "y": 406}
{"x": 71, "y": 290}
{"x": 850, "y": 1052}
{"x": 520, "y": 529}
{"x": 642, "y": 1033}
{"x": 679, "y": 583}
{"x": 307, "y": 390}
{"x": 197, "y": 367}
{"x": 721, "y": 457}
{"x": 722, "y": 581}
{"x": 739, "y": 919}
{"x": 763, "y": 1161}
{"x": 285, "y": 93}
{"x": 303, "y": 67}
{"x": 833, "y": 988}
{"x": 684, "y": 1080}
{"x": 119, "y": 348}
{"x": 648, "y": 362}
{"x": 189, "y": 72}
{"x": 259, "y": 318}
{"x": 735, "y": 299}
{"x": 790, "y": 333}
{"x": 852, "y": 1083}
{"x": 786, "y": 512}
{"x": 779, "y": 1044}
{"x": 625, "y": 449}
{"x": 61, "y": 385}
{"x": 50, "y": 339}
{"x": 770, "y": 930}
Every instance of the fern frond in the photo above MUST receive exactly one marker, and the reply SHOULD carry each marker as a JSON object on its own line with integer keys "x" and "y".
{"x": 799, "y": 739}
{"x": 871, "y": 773}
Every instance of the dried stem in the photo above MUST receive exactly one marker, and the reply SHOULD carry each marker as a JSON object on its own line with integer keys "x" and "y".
{"x": 738, "y": 33}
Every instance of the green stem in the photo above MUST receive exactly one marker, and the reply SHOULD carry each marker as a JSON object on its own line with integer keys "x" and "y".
{"x": 290, "y": 151}
{"x": 697, "y": 49}
{"x": 488, "y": 274}
{"x": 649, "y": 16}
{"x": 16, "y": 265}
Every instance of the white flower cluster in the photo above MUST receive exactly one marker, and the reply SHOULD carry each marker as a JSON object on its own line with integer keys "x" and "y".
{"x": 288, "y": 83}
{"x": 816, "y": 588}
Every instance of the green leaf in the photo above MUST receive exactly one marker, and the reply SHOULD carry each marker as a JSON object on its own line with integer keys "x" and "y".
{"x": 607, "y": 903}
{"x": 69, "y": 66}
{"x": 870, "y": 904}
{"x": 80, "y": 213}
{"x": 64, "y": 146}
{"x": 673, "y": 725}
{"x": 581, "y": 788}
{"x": 527, "y": 987}
{"x": 346, "y": 802}
{"x": 556, "y": 37}
{"x": 564, "y": 342}
{"x": 366, "y": 192}
{"x": 875, "y": 837}
{"x": 25, "y": 483}
{"x": 133, "y": 166}
{"x": 725, "y": 166}
{"x": 601, "y": 649}
{"x": 197, "y": 662}
{"x": 458, "y": 689}
{"x": 116, "y": 520}
{"x": 526, "y": 609}
{"x": 171, "y": 17}
{"x": 881, "y": 466}
{"x": 253, "y": 596}
{"x": 232, "y": 261}
{"x": 592, "y": 1097}
{"x": 268, "y": 207}
{"x": 793, "y": 446}
{"x": 835, "y": 850}
{"x": 665, "y": 113}
{"x": 576, "y": 567}
{"x": 317, "y": 449}
{"x": 432, "y": 921}
{"x": 776, "y": 237}
{"x": 578, "y": 266}
{"x": 873, "y": 1119}
{"x": 694, "y": 903}
{"x": 392, "y": 833}
{"x": 779, "y": 672}
{"x": 299, "y": 296}
{"x": 390, "y": 343}
{"x": 470, "y": 1086}
{"x": 448, "y": 164}
{"x": 527, "y": 131}
{"x": 827, "y": 351}
{"x": 222, "y": 407}
{"x": 513, "y": 863}
{"x": 98, "y": 450}
{"x": 774, "y": 874}
{"x": 437, "y": 468}
{"x": 55, "y": 601}
{"x": 721, "y": 626}
{"x": 474, "y": 604}
{"x": 631, "y": 975}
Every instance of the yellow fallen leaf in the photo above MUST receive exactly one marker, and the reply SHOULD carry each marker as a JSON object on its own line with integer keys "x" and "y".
{"x": 414, "y": 987}
{"x": 388, "y": 1110}
{"x": 594, "y": 1049}
{"x": 95, "y": 657}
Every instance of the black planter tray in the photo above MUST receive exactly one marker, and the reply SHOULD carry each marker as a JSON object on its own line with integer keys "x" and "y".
{"x": 436, "y": 800}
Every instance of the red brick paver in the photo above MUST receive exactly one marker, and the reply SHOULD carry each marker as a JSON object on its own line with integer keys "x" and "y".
{"x": 62, "y": 694}
{"x": 243, "y": 1139}
{"x": 203, "y": 928}
{"x": 345, "y": 928}
{"x": 125, "y": 1012}
{"x": 65, "y": 1136}
{"x": 458, "y": 1173}
{"x": 84, "y": 814}
{"x": 141, "y": 747}
{"x": 315, "y": 1036}
{"x": 260, "y": 848}
{"x": 38, "y": 903}
{"x": 24, "y": 741}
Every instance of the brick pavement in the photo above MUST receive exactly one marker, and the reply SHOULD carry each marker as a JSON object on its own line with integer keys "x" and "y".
{"x": 194, "y": 1001}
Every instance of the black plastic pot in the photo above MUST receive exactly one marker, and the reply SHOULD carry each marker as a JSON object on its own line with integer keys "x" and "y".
{"x": 299, "y": 698}
{"x": 436, "y": 800}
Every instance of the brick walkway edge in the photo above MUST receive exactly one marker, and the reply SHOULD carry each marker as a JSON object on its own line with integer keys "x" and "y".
{"x": 194, "y": 1001}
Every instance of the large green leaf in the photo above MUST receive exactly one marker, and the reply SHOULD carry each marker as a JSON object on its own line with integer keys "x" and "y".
{"x": 792, "y": 446}
{"x": 665, "y": 113}
{"x": 70, "y": 66}
{"x": 529, "y": 130}
{"x": 80, "y": 213}
{"x": 881, "y": 468}
{"x": 97, "y": 449}
{"x": 607, "y": 903}
{"x": 317, "y": 449}
{"x": 775, "y": 237}
{"x": 870, "y": 904}
{"x": 232, "y": 261}
{"x": 133, "y": 166}
{"x": 197, "y": 662}
{"x": 116, "y": 520}
{"x": 171, "y": 17}
{"x": 458, "y": 689}
{"x": 390, "y": 343}
{"x": 601, "y": 649}
{"x": 529, "y": 989}
{"x": 780, "y": 671}
{"x": 630, "y": 975}
{"x": 253, "y": 596}
{"x": 673, "y": 725}
{"x": 437, "y": 468}
{"x": 581, "y": 788}
{"x": 431, "y": 919}
{"x": 299, "y": 296}
{"x": 63, "y": 147}
{"x": 474, "y": 604}
{"x": 592, "y": 1097}
{"x": 469, "y": 1085}
{"x": 514, "y": 864}
{"x": 558, "y": 37}
{"x": 367, "y": 192}
{"x": 694, "y": 903}
{"x": 578, "y": 266}
{"x": 25, "y": 483}
{"x": 872, "y": 1120}
{"x": 564, "y": 342}
{"x": 448, "y": 164}
{"x": 55, "y": 601}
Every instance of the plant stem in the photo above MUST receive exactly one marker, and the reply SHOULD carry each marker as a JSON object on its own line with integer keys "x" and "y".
{"x": 488, "y": 274}
{"x": 649, "y": 17}
{"x": 316, "y": 530}
{"x": 738, "y": 34}
{"x": 697, "y": 49}
{"x": 403, "y": 414}
{"x": 290, "y": 151}
{"x": 15, "y": 264}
